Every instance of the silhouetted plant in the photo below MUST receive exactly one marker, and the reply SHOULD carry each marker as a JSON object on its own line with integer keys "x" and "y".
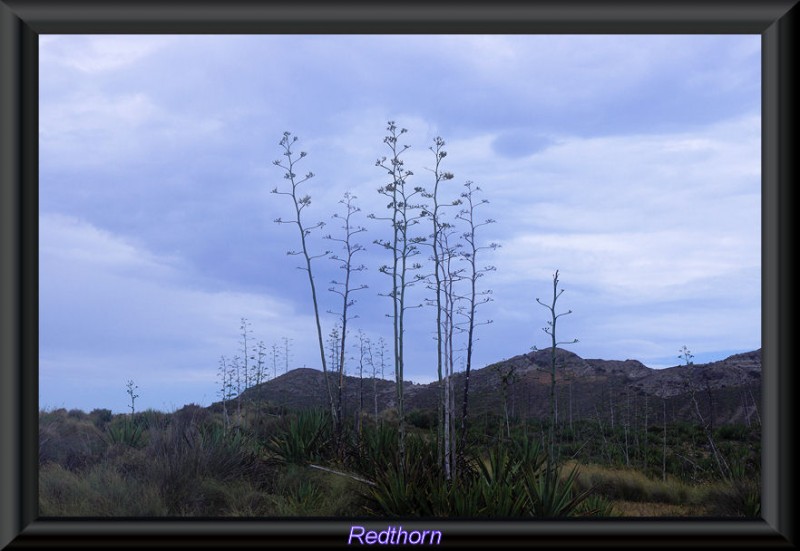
{"x": 346, "y": 287}
{"x": 439, "y": 253}
{"x": 551, "y": 331}
{"x": 706, "y": 424}
{"x": 131, "y": 392}
{"x": 300, "y": 203}
{"x": 686, "y": 355}
{"x": 474, "y": 298}
{"x": 403, "y": 215}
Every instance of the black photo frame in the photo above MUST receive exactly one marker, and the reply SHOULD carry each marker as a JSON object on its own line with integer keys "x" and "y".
{"x": 21, "y": 21}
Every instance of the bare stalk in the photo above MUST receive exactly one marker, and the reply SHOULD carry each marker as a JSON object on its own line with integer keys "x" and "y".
{"x": 551, "y": 331}
{"x": 300, "y": 203}
{"x": 345, "y": 288}
{"x": 403, "y": 246}
{"x": 474, "y": 298}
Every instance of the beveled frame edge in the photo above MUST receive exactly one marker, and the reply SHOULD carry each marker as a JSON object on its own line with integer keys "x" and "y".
{"x": 778, "y": 160}
{"x": 18, "y": 275}
{"x": 21, "y": 21}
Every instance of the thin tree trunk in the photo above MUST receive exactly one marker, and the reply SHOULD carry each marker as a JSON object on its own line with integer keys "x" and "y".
{"x": 722, "y": 465}
{"x": 645, "y": 433}
{"x": 571, "y": 428}
{"x": 611, "y": 409}
{"x": 755, "y": 407}
{"x": 664, "y": 453}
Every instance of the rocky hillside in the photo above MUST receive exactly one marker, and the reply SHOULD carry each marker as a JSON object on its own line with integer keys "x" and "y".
{"x": 725, "y": 391}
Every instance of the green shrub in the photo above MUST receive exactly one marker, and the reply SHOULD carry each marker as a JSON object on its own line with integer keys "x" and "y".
{"x": 303, "y": 438}
{"x": 732, "y": 432}
{"x": 508, "y": 481}
{"x": 151, "y": 419}
{"x": 182, "y": 455}
{"x": 125, "y": 431}
{"x": 303, "y": 491}
{"x": 596, "y": 506}
{"x": 551, "y": 496}
{"x": 500, "y": 487}
{"x": 304, "y": 500}
{"x": 399, "y": 493}
{"x": 422, "y": 419}
{"x": 377, "y": 448}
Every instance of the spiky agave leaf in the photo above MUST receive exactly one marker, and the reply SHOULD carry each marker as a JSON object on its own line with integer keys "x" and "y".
{"x": 550, "y": 496}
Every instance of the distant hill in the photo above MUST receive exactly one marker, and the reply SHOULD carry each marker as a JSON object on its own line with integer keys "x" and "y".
{"x": 586, "y": 388}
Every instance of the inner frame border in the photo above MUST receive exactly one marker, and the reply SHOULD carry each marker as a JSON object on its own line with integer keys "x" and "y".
{"x": 21, "y": 23}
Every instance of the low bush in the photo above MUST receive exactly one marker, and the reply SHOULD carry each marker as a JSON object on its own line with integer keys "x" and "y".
{"x": 181, "y": 455}
{"x": 71, "y": 442}
{"x": 505, "y": 482}
{"x": 733, "y": 432}
{"x": 124, "y": 430}
{"x": 596, "y": 506}
{"x": 377, "y": 447}
{"x": 77, "y": 414}
{"x": 422, "y": 419}
{"x": 101, "y": 417}
{"x": 239, "y": 498}
{"x": 740, "y": 498}
{"x": 551, "y": 495}
{"x": 304, "y": 437}
{"x": 151, "y": 418}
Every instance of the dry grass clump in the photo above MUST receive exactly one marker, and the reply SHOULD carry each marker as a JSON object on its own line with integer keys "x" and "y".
{"x": 740, "y": 498}
{"x": 71, "y": 440}
{"x": 99, "y": 491}
{"x": 651, "y": 509}
{"x": 634, "y": 494}
{"x": 635, "y": 486}
{"x": 302, "y": 491}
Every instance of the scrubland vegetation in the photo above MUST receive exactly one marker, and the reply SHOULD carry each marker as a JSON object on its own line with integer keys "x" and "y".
{"x": 279, "y": 463}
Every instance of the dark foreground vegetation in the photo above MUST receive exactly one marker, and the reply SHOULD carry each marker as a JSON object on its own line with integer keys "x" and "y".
{"x": 279, "y": 463}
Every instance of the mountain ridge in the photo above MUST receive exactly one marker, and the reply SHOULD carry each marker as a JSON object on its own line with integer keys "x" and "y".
{"x": 727, "y": 390}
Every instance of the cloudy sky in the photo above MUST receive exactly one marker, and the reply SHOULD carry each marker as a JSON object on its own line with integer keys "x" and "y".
{"x": 629, "y": 163}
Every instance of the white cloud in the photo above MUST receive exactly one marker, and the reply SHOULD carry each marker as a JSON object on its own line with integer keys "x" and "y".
{"x": 99, "y": 53}
{"x": 640, "y": 212}
{"x": 647, "y": 265}
{"x": 99, "y": 129}
{"x": 72, "y": 242}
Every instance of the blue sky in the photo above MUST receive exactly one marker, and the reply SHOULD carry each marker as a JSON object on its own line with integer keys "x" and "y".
{"x": 629, "y": 163}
